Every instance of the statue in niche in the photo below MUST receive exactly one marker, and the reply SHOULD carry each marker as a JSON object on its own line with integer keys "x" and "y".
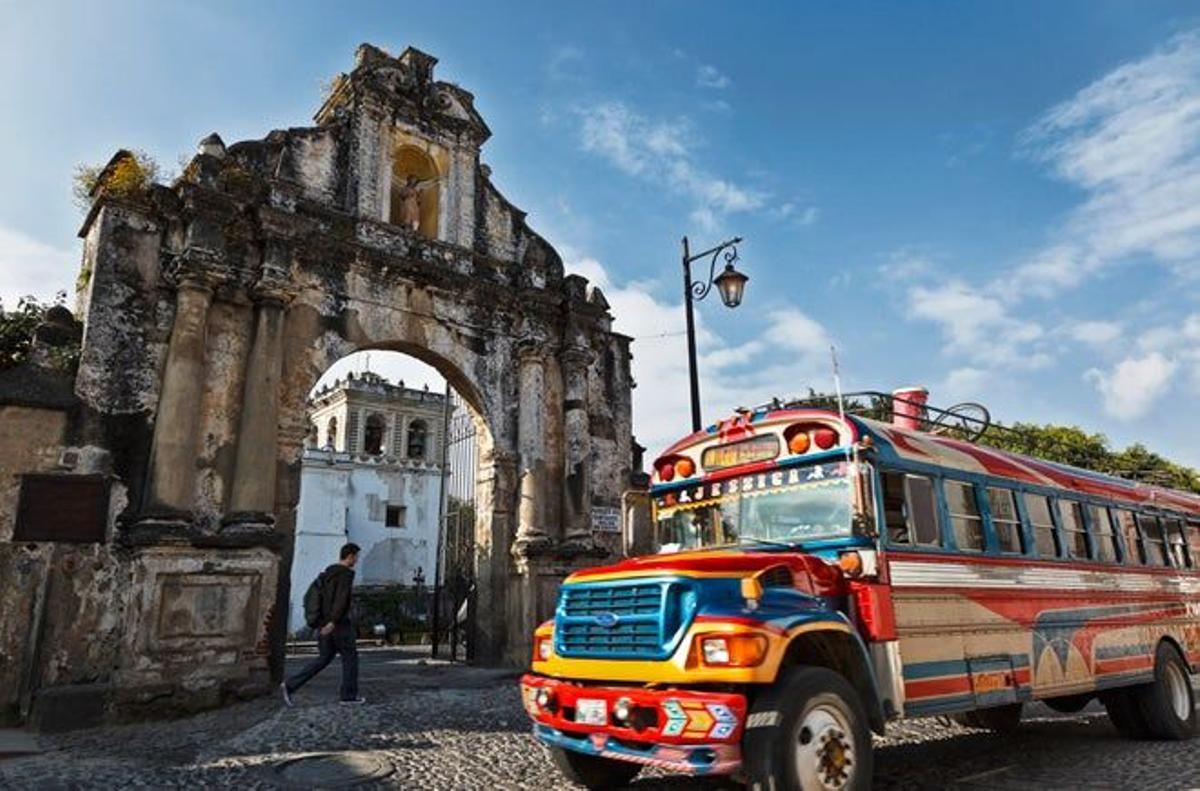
{"x": 409, "y": 196}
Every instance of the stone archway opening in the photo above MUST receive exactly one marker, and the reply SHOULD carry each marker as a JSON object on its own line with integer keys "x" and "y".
{"x": 399, "y": 481}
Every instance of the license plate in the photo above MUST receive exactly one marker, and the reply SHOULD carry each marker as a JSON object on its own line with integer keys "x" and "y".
{"x": 591, "y": 712}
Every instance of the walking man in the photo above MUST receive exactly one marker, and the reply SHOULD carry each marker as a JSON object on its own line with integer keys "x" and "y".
{"x": 336, "y": 635}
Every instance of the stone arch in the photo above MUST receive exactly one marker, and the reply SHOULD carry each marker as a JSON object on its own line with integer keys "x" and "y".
{"x": 409, "y": 161}
{"x": 331, "y": 433}
{"x": 212, "y": 306}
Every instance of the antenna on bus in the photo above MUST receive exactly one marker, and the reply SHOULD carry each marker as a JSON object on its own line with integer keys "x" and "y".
{"x": 851, "y": 449}
{"x": 837, "y": 382}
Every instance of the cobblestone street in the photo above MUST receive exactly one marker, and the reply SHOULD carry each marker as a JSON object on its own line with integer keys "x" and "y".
{"x": 433, "y": 726}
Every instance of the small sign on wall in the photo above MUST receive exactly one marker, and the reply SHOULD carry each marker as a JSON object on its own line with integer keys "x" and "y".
{"x": 67, "y": 508}
{"x": 606, "y": 519}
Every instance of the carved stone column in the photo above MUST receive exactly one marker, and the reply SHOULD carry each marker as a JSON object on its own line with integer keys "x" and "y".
{"x": 531, "y": 446}
{"x": 253, "y": 491}
{"x": 494, "y": 495}
{"x": 577, "y": 479}
{"x": 171, "y": 484}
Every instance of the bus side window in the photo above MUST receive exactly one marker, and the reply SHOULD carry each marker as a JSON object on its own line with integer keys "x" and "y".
{"x": 1135, "y": 550}
{"x": 1102, "y": 534}
{"x": 1176, "y": 542}
{"x": 922, "y": 510}
{"x": 1074, "y": 533}
{"x": 1193, "y": 531}
{"x": 894, "y": 512}
{"x": 964, "y": 515}
{"x": 1152, "y": 538}
{"x": 910, "y": 509}
{"x": 1038, "y": 508}
{"x": 1005, "y": 521}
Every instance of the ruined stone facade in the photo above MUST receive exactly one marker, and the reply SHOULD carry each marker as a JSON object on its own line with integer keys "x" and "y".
{"x": 210, "y": 307}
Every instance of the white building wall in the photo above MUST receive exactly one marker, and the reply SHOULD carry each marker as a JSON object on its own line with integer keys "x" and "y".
{"x": 344, "y": 497}
{"x": 320, "y": 527}
{"x": 391, "y": 556}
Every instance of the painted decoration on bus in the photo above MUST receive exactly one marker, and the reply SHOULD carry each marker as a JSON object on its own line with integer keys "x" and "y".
{"x": 747, "y": 451}
{"x": 797, "y": 504}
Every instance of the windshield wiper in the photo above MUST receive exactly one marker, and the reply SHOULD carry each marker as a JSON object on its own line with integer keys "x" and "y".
{"x": 771, "y": 542}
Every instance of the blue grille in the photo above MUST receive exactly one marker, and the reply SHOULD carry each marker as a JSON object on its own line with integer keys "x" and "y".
{"x": 638, "y": 619}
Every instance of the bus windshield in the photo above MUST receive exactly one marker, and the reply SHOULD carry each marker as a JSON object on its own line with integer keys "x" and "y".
{"x": 791, "y": 506}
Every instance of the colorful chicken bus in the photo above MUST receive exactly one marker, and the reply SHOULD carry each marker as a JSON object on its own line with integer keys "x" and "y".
{"x": 820, "y": 575}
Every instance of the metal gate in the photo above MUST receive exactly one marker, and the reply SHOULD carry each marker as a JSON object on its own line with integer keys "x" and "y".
{"x": 454, "y": 588}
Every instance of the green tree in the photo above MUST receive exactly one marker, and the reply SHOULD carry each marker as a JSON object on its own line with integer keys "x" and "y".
{"x": 17, "y": 328}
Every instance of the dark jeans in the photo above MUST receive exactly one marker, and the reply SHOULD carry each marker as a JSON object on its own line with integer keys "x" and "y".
{"x": 340, "y": 641}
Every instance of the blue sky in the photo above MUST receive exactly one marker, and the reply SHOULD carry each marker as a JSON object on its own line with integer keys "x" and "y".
{"x": 996, "y": 200}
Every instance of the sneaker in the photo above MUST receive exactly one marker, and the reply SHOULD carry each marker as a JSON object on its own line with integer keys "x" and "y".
{"x": 353, "y": 701}
{"x": 287, "y": 696}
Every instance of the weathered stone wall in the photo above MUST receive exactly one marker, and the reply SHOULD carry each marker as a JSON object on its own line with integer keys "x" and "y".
{"x": 211, "y": 307}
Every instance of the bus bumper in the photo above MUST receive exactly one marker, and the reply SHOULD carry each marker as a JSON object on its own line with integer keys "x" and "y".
{"x": 676, "y": 729}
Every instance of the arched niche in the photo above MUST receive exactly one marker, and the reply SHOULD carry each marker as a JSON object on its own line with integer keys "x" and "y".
{"x": 411, "y": 163}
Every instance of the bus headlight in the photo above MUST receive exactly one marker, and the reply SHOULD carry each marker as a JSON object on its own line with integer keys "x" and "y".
{"x": 543, "y": 649}
{"x": 733, "y": 650}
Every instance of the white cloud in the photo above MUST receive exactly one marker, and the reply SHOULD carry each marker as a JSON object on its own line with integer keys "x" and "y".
{"x": 965, "y": 384}
{"x": 1095, "y": 333}
{"x": 29, "y": 267}
{"x": 978, "y": 326}
{"x": 1131, "y": 387}
{"x": 711, "y": 77}
{"x": 562, "y": 62}
{"x": 660, "y": 151}
{"x": 1131, "y": 141}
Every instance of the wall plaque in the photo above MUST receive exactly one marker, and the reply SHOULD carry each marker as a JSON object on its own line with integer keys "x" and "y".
{"x": 606, "y": 520}
{"x": 68, "y": 508}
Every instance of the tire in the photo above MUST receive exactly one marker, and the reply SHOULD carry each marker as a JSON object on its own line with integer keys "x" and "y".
{"x": 1124, "y": 712}
{"x": 594, "y": 771}
{"x": 1001, "y": 719}
{"x": 1070, "y": 704}
{"x": 1167, "y": 704}
{"x": 808, "y": 728}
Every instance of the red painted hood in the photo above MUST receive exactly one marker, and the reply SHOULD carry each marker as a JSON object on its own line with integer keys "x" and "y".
{"x": 811, "y": 573}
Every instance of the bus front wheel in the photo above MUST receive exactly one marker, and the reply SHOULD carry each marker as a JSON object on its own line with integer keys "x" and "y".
{"x": 808, "y": 731}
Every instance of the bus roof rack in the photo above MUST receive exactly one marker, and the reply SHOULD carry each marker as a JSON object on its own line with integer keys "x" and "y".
{"x": 967, "y": 421}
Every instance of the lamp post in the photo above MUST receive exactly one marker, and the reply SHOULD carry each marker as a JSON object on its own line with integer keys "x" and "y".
{"x": 731, "y": 284}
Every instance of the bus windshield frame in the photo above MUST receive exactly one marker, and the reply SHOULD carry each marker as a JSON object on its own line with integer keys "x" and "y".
{"x": 791, "y": 506}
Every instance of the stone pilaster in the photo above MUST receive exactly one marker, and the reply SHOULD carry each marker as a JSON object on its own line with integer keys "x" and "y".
{"x": 170, "y": 489}
{"x": 253, "y": 493}
{"x": 531, "y": 447}
{"x": 576, "y": 483}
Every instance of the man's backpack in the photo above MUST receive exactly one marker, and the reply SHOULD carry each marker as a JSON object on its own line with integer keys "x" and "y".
{"x": 312, "y": 602}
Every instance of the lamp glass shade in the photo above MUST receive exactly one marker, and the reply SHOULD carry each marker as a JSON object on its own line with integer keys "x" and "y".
{"x": 732, "y": 284}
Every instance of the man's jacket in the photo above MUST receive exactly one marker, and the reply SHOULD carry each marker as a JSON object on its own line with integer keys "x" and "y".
{"x": 335, "y": 594}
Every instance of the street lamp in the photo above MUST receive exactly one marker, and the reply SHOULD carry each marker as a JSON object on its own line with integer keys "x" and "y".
{"x": 731, "y": 285}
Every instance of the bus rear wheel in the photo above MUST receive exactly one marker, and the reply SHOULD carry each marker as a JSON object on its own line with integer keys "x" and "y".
{"x": 808, "y": 732}
{"x": 594, "y": 771}
{"x": 1167, "y": 703}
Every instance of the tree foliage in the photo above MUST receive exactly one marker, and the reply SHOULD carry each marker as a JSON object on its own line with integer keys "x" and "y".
{"x": 129, "y": 177}
{"x": 17, "y": 329}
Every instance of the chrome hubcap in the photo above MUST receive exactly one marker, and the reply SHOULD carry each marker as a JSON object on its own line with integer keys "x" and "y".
{"x": 1178, "y": 690}
{"x": 824, "y": 749}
